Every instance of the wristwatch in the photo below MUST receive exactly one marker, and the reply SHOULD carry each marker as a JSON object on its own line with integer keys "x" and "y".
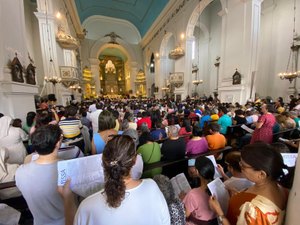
{"x": 221, "y": 218}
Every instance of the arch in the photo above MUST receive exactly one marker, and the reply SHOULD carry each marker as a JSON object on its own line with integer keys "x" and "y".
{"x": 163, "y": 46}
{"x": 195, "y": 16}
{"x": 100, "y": 45}
{"x": 98, "y": 26}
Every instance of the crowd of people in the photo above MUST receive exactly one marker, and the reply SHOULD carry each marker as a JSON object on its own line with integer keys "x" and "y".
{"x": 127, "y": 131}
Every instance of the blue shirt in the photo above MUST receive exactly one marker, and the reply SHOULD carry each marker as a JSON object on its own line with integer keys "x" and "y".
{"x": 224, "y": 121}
{"x": 204, "y": 119}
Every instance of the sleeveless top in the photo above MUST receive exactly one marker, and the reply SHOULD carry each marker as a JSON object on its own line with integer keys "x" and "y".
{"x": 99, "y": 143}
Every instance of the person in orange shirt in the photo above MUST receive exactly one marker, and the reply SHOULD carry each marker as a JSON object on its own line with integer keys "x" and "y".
{"x": 215, "y": 140}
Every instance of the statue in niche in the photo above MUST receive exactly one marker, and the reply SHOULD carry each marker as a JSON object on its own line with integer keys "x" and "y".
{"x": 17, "y": 70}
{"x": 30, "y": 72}
{"x": 236, "y": 78}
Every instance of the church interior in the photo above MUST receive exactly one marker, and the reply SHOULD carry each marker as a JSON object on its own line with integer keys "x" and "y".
{"x": 146, "y": 56}
{"x": 79, "y": 49}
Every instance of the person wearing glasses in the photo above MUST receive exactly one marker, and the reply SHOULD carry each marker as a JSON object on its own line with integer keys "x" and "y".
{"x": 123, "y": 200}
{"x": 263, "y": 203}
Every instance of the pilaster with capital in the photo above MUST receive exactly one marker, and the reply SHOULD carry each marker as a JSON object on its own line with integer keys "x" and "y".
{"x": 133, "y": 73}
{"x": 94, "y": 63}
{"x": 239, "y": 48}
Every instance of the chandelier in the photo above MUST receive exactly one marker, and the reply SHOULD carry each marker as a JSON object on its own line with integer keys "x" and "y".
{"x": 52, "y": 78}
{"x": 291, "y": 72}
{"x": 110, "y": 67}
{"x": 176, "y": 53}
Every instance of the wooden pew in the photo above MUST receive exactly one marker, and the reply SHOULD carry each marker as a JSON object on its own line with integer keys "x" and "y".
{"x": 186, "y": 158}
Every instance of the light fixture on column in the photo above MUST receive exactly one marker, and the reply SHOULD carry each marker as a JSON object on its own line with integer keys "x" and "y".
{"x": 51, "y": 76}
{"x": 292, "y": 71}
{"x": 195, "y": 70}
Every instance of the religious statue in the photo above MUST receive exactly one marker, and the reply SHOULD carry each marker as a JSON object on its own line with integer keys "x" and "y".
{"x": 30, "y": 72}
{"x": 236, "y": 78}
{"x": 17, "y": 70}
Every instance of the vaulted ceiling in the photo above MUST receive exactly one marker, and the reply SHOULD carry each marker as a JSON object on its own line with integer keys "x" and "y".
{"x": 141, "y": 13}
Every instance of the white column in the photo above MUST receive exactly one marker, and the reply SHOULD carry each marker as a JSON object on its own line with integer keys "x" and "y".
{"x": 16, "y": 99}
{"x": 96, "y": 73}
{"x": 187, "y": 86}
{"x": 239, "y": 48}
{"x": 133, "y": 73}
{"x": 47, "y": 28}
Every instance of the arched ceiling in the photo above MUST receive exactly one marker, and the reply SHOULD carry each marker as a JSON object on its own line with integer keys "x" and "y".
{"x": 113, "y": 52}
{"x": 141, "y": 13}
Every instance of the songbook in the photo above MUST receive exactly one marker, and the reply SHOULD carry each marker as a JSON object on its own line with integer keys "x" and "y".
{"x": 213, "y": 160}
{"x": 217, "y": 189}
{"x": 180, "y": 184}
{"x": 249, "y": 130}
{"x": 86, "y": 174}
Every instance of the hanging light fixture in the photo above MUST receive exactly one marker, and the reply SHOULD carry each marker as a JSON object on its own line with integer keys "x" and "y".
{"x": 51, "y": 77}
{"x": 292, "y": 71}
{"x": 110, "y": 67}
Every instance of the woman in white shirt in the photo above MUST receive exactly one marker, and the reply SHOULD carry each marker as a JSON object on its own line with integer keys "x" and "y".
{"x": 124, "y": 200}
{"x": 12, "y": 139}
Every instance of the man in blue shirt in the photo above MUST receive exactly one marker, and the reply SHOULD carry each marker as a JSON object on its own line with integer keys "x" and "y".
{"x": 224, "y": 121}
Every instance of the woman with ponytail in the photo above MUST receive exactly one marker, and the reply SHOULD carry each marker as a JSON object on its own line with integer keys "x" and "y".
{"x": 197, "y": 209}
{"x": 263, "y": 203}
{"x": 124, "y": 200}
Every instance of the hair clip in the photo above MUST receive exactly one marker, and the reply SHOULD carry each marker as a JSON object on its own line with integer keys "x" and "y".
{"x": 113, "y": 163}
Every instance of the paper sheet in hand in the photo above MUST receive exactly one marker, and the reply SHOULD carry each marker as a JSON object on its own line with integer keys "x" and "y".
{"x": 217, "y": 189}
{"x": 213, "y": 160}
{"x": 289, "y": 159}
{"x": 249, "y": 130}
{"x": 86, "y": 174}
{"x": 180, "y": 183}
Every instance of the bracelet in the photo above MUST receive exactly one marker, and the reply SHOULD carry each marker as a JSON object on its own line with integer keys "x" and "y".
{"x": 221, "y": 218}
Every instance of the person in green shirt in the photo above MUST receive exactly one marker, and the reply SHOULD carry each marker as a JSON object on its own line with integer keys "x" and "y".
{"x": 151, "y": 153}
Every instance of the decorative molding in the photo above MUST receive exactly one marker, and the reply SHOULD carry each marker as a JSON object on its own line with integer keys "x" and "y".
{"x": 162, "y": 21}
{"x": 71, "y": 8}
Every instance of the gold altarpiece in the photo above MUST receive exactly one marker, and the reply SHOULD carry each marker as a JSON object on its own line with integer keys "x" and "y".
{"x": 112, "y": 75}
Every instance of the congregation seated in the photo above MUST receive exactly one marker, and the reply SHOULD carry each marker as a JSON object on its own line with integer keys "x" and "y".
{"x": 170, "y": 160}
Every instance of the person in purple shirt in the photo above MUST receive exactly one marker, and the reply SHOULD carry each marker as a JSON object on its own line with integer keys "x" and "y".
{"x": 197, "y": 144}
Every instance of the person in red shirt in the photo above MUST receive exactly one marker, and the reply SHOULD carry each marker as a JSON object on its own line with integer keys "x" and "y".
{"x": 145, "y": 119}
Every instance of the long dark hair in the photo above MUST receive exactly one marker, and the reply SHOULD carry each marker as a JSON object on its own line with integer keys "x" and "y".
{"x": 118, "y": 158}
{"x": 261, "y": 156}
{"x": 30, "y": 118}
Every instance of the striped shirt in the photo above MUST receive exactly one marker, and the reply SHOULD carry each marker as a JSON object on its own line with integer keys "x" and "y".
{"x": 70, "y": 127}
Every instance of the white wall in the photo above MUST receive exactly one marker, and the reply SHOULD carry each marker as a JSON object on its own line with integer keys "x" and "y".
{"x": 276, "y": 39}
